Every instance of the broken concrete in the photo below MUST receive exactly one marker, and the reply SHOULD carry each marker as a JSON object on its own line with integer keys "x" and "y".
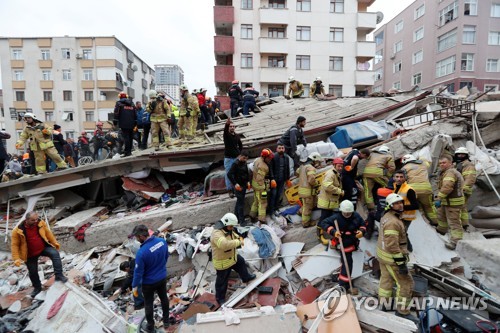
{"x": 76, "y": 220}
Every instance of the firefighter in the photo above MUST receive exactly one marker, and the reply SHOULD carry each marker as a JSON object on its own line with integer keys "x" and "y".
{"x": 379, "y": 168}
{"x": 295, "y": 88}
{"x": 317, "y": 88}
{"x": 224, "y": 242}
{"x": 331, "y": 190}
{"x": 468, "y": 171}
{"x": 160, "y": 118}
{"x": 410, "y": 202}
{"x": 393, "y": 258}
{"x": 41, "y": 144}
{"x": 417, "y": 177}
{"x": 261, "y": 185}
{"x": 350, "y": 172}
{"x": 189, "y": 108}
{"x": 351, "y": 229}
{"x": 308, "y": 186}
{"x": 450, "y": 201}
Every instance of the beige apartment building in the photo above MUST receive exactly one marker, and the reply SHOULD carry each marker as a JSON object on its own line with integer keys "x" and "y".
{"x": 71, "y": 81}
{"x": 445, "y": 42}
{"x": 263, "y": 42}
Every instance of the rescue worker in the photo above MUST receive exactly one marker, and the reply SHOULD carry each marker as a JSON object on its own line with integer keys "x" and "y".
{"x": 308, "y": 186}
{"x": 292, "y": 137}
{"x": 468, "y": 171}
{"x": 295, "y": 88}
{"x": 224, "y": 242}
{"x": 202, "y": 100}
{"x": 160, "y": 118}
{"x": 417, "y": 177}
{"x": 331, "y": 190}
{"x": 379, "y": 168}
{"x": 450, "y": 201}
{"x": 317, "y": 88}
{"x": 99, "y": 140}
{"x": 188, "y": 110}
{"x": 280, "y": 172}
{"x": 3, "y": 153}
{"x": 377, "y": 214}
{"x": 249, "y": 96}
{"x": 236, "y": 97}
{"x": 410, "y": 201}
{"x": 350, "y": 173}
{"x": 83, "y": 145}
{"x": 351, "y": 229}
{"x": 239, "y": 177}
{"x": 392, "y": 255}
{"x": 125, "y": 117}
{"x": 261, "y": 185}
{"x": 41, "y": 144}
{"x": 232, "y": 148}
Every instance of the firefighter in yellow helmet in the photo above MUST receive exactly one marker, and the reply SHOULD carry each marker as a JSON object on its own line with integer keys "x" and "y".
{"x": 261, "y": 185}
{"x": 308, "y": 186}
{"x": 468, "y": 171}
{"x": 379, "y": 168}
{"x": 160, "y": 118}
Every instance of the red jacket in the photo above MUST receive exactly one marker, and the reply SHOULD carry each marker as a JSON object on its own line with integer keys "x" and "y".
{"x": 201, "y": 99}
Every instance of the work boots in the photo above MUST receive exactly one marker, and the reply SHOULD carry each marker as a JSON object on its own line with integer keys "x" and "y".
{"x": 408, "y": 316}
{"x": 450, "y": 245}
{"x": 35, "y": 292}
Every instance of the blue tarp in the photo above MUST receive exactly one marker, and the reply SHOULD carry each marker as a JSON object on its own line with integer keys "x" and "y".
{"x": 352, "y": 134}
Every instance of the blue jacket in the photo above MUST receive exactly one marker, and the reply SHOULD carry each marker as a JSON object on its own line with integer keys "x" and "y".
{"x": 151, "y": 262}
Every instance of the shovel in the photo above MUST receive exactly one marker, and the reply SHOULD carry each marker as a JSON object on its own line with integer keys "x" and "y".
{"x": 354, "y": 291}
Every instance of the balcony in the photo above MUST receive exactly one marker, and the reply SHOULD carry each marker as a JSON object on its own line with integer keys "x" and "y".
{"x": 273, "y": 74}
{"x": 19, "y": 84}
{"x": 45, "y": 63}
{"x": 108, "y": 63}
{"x": 89, "y": 125}
{"x": 365, "y": 50}
{"x": 48, "y": 105}
{"x": 20, "y": 105}
{"x": 87, "y": 84}
{"x": 223, "y": 45}
{"x": 46, "y": 84}
{"x": 224, "y": 73}
{"x": 86, "y": 63}
{"x": 88, "y": 105}
{"x": 274, "y": 15}
{"x": 17, "y": 63}
{"x": 109, "y": 85}
{"x": 273, "y": 45}
{"x": 106, "y": 104}
{"x": 223, "y": 16}
{"x": 364, "y": 78}
{"x": 366, "y": 21}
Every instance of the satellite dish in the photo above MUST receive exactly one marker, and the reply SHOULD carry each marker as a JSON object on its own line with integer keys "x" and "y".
{"x": 134, "y": 68}
{"x": 380, "y": 17}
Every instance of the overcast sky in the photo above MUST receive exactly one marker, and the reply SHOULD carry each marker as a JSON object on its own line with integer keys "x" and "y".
{"x": 159, "y": 32}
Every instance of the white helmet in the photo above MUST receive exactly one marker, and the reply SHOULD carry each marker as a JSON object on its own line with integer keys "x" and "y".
{"x": 183, "y": 87}
{"x": 317, "y": 79}
{"x": 384, "y": 149}
{"x": 291, "y": 78}
{"x": 393, "y": 198}
{"x": 29, "y": 115}
{"x": 229, "y": 219}
{"x": 461, "y": 150}
{"x": 316, "y": 157}
{"x": 346, "y": 206}
{"x": 152, "y": 94}
{"x": 408, "y": 158}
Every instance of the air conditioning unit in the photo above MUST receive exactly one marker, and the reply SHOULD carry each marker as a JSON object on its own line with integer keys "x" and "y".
{"x": 78, "y": 56}
{"x": 393, "y": 56}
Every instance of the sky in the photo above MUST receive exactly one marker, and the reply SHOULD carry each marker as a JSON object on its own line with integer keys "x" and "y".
{"x": 159, "y": 32}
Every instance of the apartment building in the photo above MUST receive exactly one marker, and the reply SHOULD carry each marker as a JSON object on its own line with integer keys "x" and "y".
{"x": 445, "y": 42}
{"x": 263, "y": 42}
{"x": 71, "y": 81}
{"x": 168, "y": 80}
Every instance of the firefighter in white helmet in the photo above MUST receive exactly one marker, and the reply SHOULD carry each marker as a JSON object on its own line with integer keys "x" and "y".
{"x": 309, "y": 186}
{"x": 160, "y": 118}
{"x": 317, "y": 88}
{"x": 468, "y": 171}
{"x": 295, "y": 88}
{"x": 379, "y": 168}
{"x": 189, "y": 108}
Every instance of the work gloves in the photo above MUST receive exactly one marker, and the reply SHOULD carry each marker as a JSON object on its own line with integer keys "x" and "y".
{"x": 237, "y": 187}
{"x": 403, "y": 269}
{"x": 347, "y": 168}
{"x": 18, "y": 262}
{"x": 188, "y": 113}
{"x": 437, "y": 203}
{"x": 289, "y": 183}
{"x": 45, "y": 131}
{"x": 135, "y": 292}
{"x": 249, "y": 186}
{"x": 359, "y": 234}
{"x": 273, "y": 184}
{"x": 153, "y": 106}
{"x": 242, "y": 242}
{"x": 19, "y": 146}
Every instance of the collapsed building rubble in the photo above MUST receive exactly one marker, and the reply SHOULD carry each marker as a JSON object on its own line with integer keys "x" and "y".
{"x": 291, "y": 291}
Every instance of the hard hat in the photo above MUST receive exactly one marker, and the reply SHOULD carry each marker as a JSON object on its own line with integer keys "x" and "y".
{"x": 29, "y": 115}
{"x": 235, "y": 82}
{"x": 291, "y": 78}
{"x": 317, "y": 79}
{"x": 461, "y": 150}
{"x": 122, "y": 95}
{"x": 266, "y": 152}
{"x": 99, "y": 124}
{"x": 229, "y": 219}
{"x": 183, "y": 87}
{"x": 338, "y": 160}
{"x": 203, "y": 89}
{"x": 316, "y": 157}
{"x": 195, "y": 91}
{"x": 408, "y": 158}
{"x": 393, "y": 198}
{"x": 346, "y": 206}
{"x": 384, "y": 149}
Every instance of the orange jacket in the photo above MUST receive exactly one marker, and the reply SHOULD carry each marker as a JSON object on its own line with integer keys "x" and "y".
{"x": 19, "y": 246}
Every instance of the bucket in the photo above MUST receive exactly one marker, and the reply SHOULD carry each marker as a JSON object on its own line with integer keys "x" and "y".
{"x": 420, "y": 285}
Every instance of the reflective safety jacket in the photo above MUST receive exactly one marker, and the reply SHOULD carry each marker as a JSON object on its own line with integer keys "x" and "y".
{"x": 161, "y": 111}
{"x": 259, "y": 175}
{"x": 314, "y": 87}
{"x": 392, "y": 242}
{"x": 450, "y": 188}
{"x": 331, "y": 188}
{"x": 417, "y": 176}
{"x": 468, "y": 171}
{"x": 224, "y": 245}
{"x": 38, "y": 140}
{"x": 307, "y": 181}
{"x": 190, "y": 102}
{"x": 379, "y": 165}
{"x": 408, "y": 215}
{"x": 296, "y": 88}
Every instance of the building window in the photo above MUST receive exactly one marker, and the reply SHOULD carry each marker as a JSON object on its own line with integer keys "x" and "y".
{"x": 280, "y": 89}
{"x": 88, "y": 95}
{"x": 70, "y": 134}
{"x": 336, "y": 64}
{"x": 303, "y": 33}
{"x": 87, "y": 54}
{"x": 469, "y": 34}
{"x": 276, "y": 3}
{"x": 49, "y": 116}
{"x": 495, "y": 10}
{"x": 89, "y": 116}
{"x": 445, "y": 66}
{"x": 398, "y": 27}
{"x": 493, "y": 87}
{"x": 66, "y": 74}
{"x": 303, "y": 5}
{"x": 68, "y": 116}
{"x": 396, "y": 67}
{"x": 379, "y": 56}
{"x": 47, "y": 96}
{"x": 379, "y": 39}
{"x": 492, "y": 65}
{"x": 335, "y": 89}
{"x": 246, "y": 31}
{"x": 336, "y": 6}
{"x": 447, "y": 40}
{"x": 66, "y": 54}
{"x": 276, "y": 61}
{"x": 494, "y": 38}
{"x": 448, "y": 14}
{"x": 470, "y": 7}
{"x": 419, "y": 12}
{"x": 246, "y": 60}
{"x": 379, "y": 73}
{"x": 303, "y": 62}
{"x": 397, "y": 85}
{"x": 246, "y": 4}
{"x": 416, "y": 79}
{"x": 45, "y": 54}
{"x": 398, "y": 47}
{"x": 88, "y": 75}
{"x": 67, "y": 95}
{"x": 18, "y": 75}
{"x": 276, "y": 33}
{"x": 467, "y": 63}
{"x": 307, "y": 89}
{"x": 46, "y": 75}
{"x": 17, "y": 54}
{"x": 20, "y": 96}
{"x": 336, "y": 34}
{"x": 417, "y": 57}
{"x": 451, "y": 87}
{"x": 418, "y": 34}
{"x": 377, "y": 89}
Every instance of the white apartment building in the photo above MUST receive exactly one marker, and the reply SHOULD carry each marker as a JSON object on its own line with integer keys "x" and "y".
{"x": 71, "y": 81}
{"x": 168, "y": 80}
{"x": 263, "y": 42}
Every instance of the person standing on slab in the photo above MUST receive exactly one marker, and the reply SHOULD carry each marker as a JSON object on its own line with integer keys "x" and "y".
{"x": 468, "y": 171}
{"x": 261, "y": 185}
{"x": 308, "y": 186}
{"x": 379, "y": 168}
{"x": 292, "y": 137}
{"x": 232, "y": 148}
{"x": 239, "y": 177}
{"x": 410, "y": 202}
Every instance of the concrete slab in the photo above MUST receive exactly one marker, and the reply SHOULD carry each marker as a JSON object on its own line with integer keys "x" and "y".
{"x": 75, "y": 221}
{"x": 67, "y": 198}
{"x": 385, "y": 320}
{"x": 288, "y": 250}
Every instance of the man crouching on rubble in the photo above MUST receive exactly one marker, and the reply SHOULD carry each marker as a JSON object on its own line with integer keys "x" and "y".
{"x": 30, "y": 240}
{"x": 151, "y": 272}
{"x": 224, "y": 242}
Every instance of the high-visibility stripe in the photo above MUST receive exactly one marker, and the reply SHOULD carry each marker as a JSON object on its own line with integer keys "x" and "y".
{"x": 311, "y": 173}
{"x": 468, "y": 173}
{"x": 343, "y": 278}
{"x": 384, "y": 292}
{"x": 449, "y": 179}
{"x": 305, "y": 191}
{"x": 399, "y": 298}
{"x": 350, "y": 248}
{"x": 421, "y": 186}
{"x": 391, "y": 232}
